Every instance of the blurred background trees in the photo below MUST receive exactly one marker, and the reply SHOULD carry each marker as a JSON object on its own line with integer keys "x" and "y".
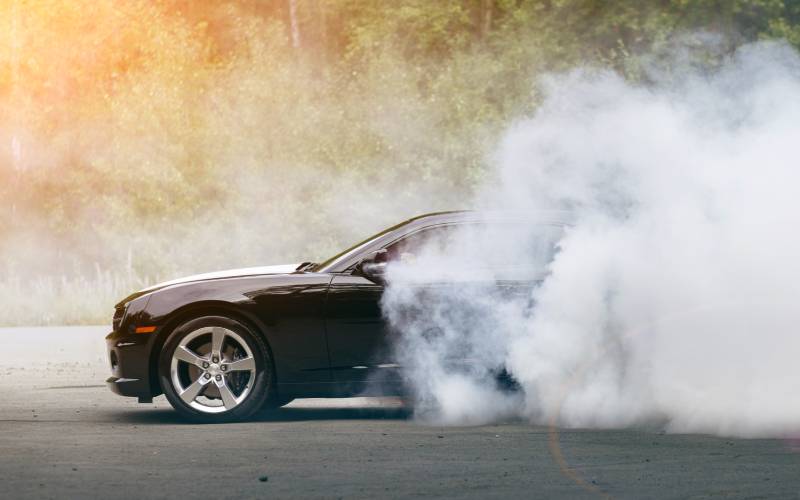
{"x": 145, "y": 139}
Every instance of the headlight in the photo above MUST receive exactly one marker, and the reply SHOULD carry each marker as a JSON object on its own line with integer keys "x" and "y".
{"x": 119, "y": 315}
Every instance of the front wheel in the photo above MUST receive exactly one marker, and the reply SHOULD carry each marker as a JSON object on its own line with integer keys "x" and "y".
{"x": 215, "y": 369}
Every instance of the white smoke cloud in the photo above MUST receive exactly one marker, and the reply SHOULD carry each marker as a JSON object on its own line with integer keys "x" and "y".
{"x": 671, "y": 300}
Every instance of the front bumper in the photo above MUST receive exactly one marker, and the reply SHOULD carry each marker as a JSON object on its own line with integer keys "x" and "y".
{"x": 129, "y": 357}
{"x": 130, "y": 387}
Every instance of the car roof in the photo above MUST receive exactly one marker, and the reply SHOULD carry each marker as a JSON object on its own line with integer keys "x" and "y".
{"x": 558, "y": 217}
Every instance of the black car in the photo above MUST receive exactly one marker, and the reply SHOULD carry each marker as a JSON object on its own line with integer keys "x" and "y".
{"x": 222, "y": 346}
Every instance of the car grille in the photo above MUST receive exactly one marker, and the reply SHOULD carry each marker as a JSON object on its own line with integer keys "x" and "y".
{"x": 119, "y": 313}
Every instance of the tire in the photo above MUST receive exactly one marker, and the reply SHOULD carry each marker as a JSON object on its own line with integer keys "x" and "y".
{"x": 275, "y": 403}
{"x": 505, "y": 382}
{"x": 215, "y": 369}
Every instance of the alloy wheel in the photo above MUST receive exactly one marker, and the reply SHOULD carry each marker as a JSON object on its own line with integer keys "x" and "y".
{"x": 212, "y": 369}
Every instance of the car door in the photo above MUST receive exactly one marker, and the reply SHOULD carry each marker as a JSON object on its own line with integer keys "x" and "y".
{"x": 355, "y": 328}
{"x": 358, "y": 340}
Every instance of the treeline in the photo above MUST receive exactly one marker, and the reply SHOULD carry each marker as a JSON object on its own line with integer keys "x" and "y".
{"x": 143, "y": 139}
{"x": 423, "y": 29}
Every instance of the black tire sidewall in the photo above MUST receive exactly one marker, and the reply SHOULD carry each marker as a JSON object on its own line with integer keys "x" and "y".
{"x": 277, "y": 401}
{"x": 259, "y": 392}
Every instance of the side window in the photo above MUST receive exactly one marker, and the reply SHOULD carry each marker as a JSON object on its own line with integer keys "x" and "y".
{"x": 433, "y": 239}
{"x": 513, "y": 251}
{"x": 502, "y": 250}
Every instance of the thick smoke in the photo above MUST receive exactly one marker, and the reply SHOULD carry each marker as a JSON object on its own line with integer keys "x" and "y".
{"x": 671, "y": 298}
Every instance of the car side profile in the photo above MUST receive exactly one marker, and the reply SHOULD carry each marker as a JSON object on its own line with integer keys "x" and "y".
{"x": 222, "y": 346}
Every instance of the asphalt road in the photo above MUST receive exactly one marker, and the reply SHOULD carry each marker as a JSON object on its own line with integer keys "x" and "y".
{"x": 63, "y": 434}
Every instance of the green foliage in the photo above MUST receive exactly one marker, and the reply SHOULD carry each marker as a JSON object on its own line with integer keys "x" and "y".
{"x": 153, "y": 139}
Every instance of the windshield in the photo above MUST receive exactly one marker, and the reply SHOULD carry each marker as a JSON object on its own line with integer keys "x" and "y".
{"x": 355, "y": 249}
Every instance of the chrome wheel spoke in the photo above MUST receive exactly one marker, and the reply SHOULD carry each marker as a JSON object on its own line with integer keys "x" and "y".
{"x": 183, "y": 353}
{"x": 228, "y": 399}
{"x": 245, "y": 364}
{"x": 191, "y": 392}
{"x": 217, "y": 338}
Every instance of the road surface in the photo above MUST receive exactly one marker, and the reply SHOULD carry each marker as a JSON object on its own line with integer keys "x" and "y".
{"x": 64, "y": 435}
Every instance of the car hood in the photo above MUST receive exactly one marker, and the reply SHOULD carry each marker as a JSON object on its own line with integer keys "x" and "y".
{"x": 230, "y": 273}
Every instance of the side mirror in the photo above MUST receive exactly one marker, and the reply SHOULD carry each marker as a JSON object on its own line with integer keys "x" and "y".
{"x": 373, "y": 267}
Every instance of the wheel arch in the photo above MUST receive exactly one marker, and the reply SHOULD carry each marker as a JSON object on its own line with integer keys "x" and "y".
{"x": 197, "y": 310}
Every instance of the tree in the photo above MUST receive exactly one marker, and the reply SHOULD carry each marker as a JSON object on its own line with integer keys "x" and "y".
{"x": 294, "y": 24}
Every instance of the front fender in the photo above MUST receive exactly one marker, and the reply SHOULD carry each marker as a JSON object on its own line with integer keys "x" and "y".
{"x": 287, "y": 310}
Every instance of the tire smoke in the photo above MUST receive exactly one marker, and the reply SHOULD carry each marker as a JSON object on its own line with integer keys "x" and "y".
{"x": 670, "y": 300}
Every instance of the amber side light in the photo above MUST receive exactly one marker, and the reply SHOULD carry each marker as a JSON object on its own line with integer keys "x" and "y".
{"x": 145, "y": 329}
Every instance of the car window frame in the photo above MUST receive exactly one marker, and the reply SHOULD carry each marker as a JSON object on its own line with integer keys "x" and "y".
{"x": 351, "y": 268}
{"x": 347, "y": 262}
